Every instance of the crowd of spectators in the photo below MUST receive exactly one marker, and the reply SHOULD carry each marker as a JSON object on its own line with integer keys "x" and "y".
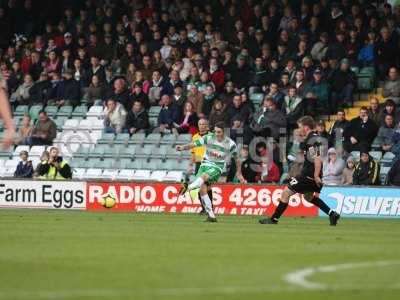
{"x": 206, "y": 59}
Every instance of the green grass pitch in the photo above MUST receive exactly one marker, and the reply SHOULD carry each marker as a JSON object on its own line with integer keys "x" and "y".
{"x": 82, "y": 255}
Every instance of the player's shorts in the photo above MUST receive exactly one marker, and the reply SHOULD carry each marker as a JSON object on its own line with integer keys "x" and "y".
{"x": 303, "y": 184}
{"x": 214, "y": 173}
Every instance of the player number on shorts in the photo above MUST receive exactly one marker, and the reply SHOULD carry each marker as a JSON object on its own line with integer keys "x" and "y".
{"x": 293, "y": 181}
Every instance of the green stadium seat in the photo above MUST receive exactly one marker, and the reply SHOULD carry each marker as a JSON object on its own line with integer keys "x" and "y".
{"x": 60, "y": 122}
{"x": 257, "y": 98}
{"x": 168, "y": 139}
{"x": 106, "y": 164}
{"x": 173, "y": 154}
{"x": 80, "y": 111}
{"x": 125, "y": 163}
{"x": 159, "y": 152}
{"x": 137, "y": 139}
{"x": 376, "y": 155}
{"x": 78, "y": 162}
{"x": 51, "y": 110}
{"x": 184, "y": 138}
{"x": 21, "y": 110}
{"x": 34, "y": 111}
{"x": 98, "y": 151}
{"x": 65, "y": 111}
{"x": 154, "y": 164}
{"x": 138, "y": 164}
{"x": 122, "y": 138}
{"x": 106, "y": 138}
{"x": 82, "y": 152}
{"x": 92, "y": 163}
{"x": 365, "y": 83}
{"x": 153, "y": 138}
{"x": 153, "y": 121}
{"x": 143, "y": 152}
{"x": 387, "y": 159}
{"x": 168, "y": 165}
{"x": 183, "y": 166}
{"x": 127, "y": 152}
{"x": 154, "y": 111}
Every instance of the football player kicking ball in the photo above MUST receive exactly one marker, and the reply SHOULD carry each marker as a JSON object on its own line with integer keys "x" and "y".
{"x": 309, "y": 181}
{"x": 219, "y": 149}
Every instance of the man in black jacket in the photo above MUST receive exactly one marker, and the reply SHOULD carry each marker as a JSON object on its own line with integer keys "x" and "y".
{"x": 338, "y": 129}
{"x": 68, "y": 91}
{"x": 360, "y": 132}
{"x": 343, "y": 82}
{"x": 367, "y": 170}
{"x": 40, "y": 91}
{"x": 137, "y": 119}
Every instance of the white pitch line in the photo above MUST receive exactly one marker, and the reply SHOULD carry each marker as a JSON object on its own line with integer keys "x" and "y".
{"x": 300, "y": 278}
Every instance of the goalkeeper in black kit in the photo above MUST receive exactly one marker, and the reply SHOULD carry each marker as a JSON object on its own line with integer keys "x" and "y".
{"x": 309, "y": 181}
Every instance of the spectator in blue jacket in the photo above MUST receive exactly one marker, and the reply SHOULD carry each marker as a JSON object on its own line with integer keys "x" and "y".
{"x": 366, "y": 56}
{"x": 24, "y": 167}
{"x": 170, "y": 113}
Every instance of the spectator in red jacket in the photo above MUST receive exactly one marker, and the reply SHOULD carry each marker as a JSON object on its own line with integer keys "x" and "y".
{"x": 269, "y": 171}
{"x": 217, "y": 74}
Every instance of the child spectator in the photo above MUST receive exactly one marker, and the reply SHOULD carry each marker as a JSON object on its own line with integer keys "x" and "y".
{"x": 24, "y": 167}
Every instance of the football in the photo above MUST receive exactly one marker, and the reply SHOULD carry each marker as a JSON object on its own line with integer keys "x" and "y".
{"x": 108, "y": 201}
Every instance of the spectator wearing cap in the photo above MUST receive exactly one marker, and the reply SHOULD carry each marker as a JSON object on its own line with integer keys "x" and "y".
{"x": 318, "y": 89}
{"x": 293, "y": 107}
{"x": 343, "y": 82}
{"x": 24, "y": 167}
{"x": 333, "y": 167}
{"x": 391, "y": 87}
{"x": 367, "y": 170}
{"x": 360, "y": 132}
{"x": 68, "y": 42}
{"x": 389, "y": 109}
{"x": 338, "y": 128}
{"x": 320, "y": 48}
{"x": 348, "y": 171}
{"x": 385, "y": 134}
{"x": 114, "y": 115}
{"x": 68, "y": 91}
{"x": 374, "y": 110}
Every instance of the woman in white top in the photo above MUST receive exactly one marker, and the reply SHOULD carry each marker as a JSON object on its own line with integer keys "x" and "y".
{"x": 333, "y": 168}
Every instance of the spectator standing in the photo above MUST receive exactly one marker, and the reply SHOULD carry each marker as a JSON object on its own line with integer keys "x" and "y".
{"x": 114, "y": 117}
{"x": 24, "y": 167}
{"x": 44, "y": 131}
{"x": 367, "y": 170}
{"x": 137, "y": 119}
{"x": 333, "y": 168}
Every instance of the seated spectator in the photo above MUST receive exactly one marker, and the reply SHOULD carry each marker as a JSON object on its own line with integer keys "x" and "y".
{"x": 337, "y": 130}
{"x": 367, "y": 170}
{"x": 55, "y": 167}
{"x": 393, "y": 177}
{"x": 320, "y": 48}
{"x": 259, "y": 74}
{"x": 209, "y": 96}
{"x": 96, "y": 92}
{"x": 197, "y": 99}
{"x": 343, "y": 82}
{"x": 217, "y": 74}
{"x": 366, "y": 56}
{"x": 300, "y": 83}
{"x": 25, "y": 131}
{"x": 360, "y": 132}
{"x": 138, "y": 94}
{"x": 137, "y": 119}
{"x": 24, "y": 167}
{"x": 276, "y": 95}
{"x": 321, "y": 131}
{"x": 178, "y": 97}
{"x": 68, "y": 91}
{"x": 239, "y": 132}
{"x": 218, "y": 113}
{"x": 237, "y": 109}
{"x": 41, "y": 89}
{"x": 229, "y": 93}
{"x": 189, "y": 120}
{"x": 114, "y": 116}
{"x": 385, "y": 134}
{"x": 169, "y": 115}
{"x": 374, "y": 110}
{"x": 269, "y": 171}
{"x": 391, "y": 87}
{"x": 319, "y": 90}
{"x": 120, "y": 93}
{"x": 292, "y": 107}
{"x": 389, "y": 109}
{"x": 348, "y": 171}
{"x": 53, "y": 63}
{"x": 21, "y": 96}
{"x": 333, "y": 168}
{"x": 44, "y": 131}
{"x": 250, "y": 169}
{"x": 157, "y": 87}
{"x": 268, "y": 121}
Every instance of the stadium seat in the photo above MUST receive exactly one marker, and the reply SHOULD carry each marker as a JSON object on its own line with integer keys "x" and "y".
{"x": 153, "y": 121}
{"x": 153, "y": 138}
{"x": 97, "y": 152}
{"x": 143, "y": 152}
{"x": 97, "y": 125}
{"x": 92, "y": 162}
{"x": 168, "y": 139}
{"x": 34, "y": 111}
{"x": 122, "y": 138}
{"x": 183, "y": 166}
{"x": 77, "y": 162}
{"x": 11, "y": 163}
{"x": 82, "y": 152}
{"x": 20, "y": 148}
{"x": 356, "y": 155}
{"x": 137, "y": 139}
{"x": 85, "y": 124}
{"x": 159, "y": 152}
{"x": 95, "y": 112}
{"x": 79, "y": 111}
{"x": 111, "y": 152}
{"x": 376, "y": 155}
{"x": 71, "y": 124}
{"x": 383, "y": 174}
{"x": 174, "y": 176}
{"x": 173, "y": 154}
{"x": 184, "y": 139}
{"x": 169, "y": 165}
{"x": 364, "y": 83}
{"x": 60, "y": 122}
{"x": 20, "y": 110}
{"x": 37, "y": 151}
{"x": 106, "y": 164}
{"x": 106, "y": 138}
{"x": 65, "y": 111}
{"x": 138, "y": 164}
{"x": 387, "y": 159}
{"x": 141, "y": 175}
{"x": 257, "y": 98}
{"x": 154, "y": 164}
{"x": 125, "y": 174}
{"x": 127, "y": 152}
{"x": 51, "y": 110}
{"x": 158, "y": 175}
{"x": 154, "y": 111}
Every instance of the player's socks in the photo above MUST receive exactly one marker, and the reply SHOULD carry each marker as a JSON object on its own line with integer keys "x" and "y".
{"x": 208, "y": 205}
{"x": 279, "y": 211}
{"x": 196, "y": 184}
{"x": 322, "y": 205}
{"x": 210, "y": 195}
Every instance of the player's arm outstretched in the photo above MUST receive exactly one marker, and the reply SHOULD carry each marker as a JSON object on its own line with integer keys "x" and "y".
{"x": 5, "y": 114}
{"x": 185, "y": 147}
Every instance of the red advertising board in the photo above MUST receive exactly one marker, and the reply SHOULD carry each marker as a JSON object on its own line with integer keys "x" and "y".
{"x": 229, "y": 199}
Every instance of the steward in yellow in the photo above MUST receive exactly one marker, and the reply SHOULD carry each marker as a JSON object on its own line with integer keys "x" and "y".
{"x": 55, "y": 168}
